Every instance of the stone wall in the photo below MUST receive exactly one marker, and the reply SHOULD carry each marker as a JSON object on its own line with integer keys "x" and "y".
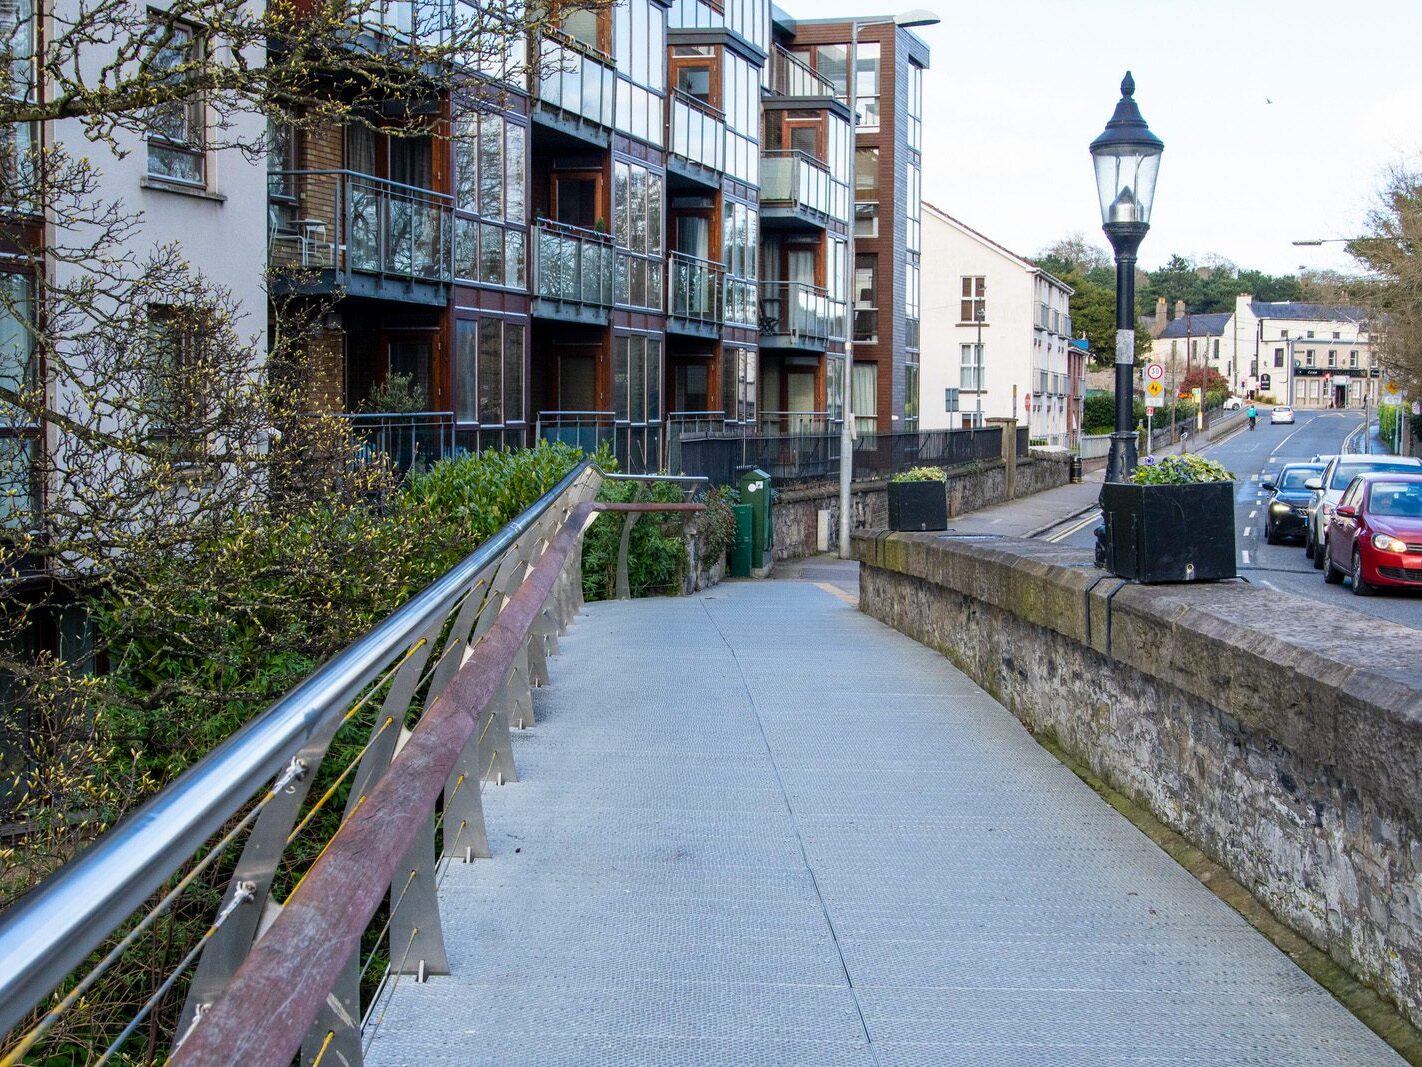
{"x": 971, "y": 488}
{"x": 1279, "y": 735}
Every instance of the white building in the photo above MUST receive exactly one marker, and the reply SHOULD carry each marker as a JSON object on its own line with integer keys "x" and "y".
{"x": 995, "y": 327}
{"x": 1307, "y": 355}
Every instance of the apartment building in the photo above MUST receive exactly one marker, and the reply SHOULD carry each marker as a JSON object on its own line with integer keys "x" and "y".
{"x": 997, "y": 332}
{"x": 655, "y": 232}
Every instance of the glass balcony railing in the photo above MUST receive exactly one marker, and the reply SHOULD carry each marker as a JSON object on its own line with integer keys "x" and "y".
{"x": 696, "y": 286}
{"x": 790, "y": 76}
{"x": 354, "y": 223}
{"x": 698, "y": 132}
{"x": 801, "y": 182}
{"x": 576, "y": 79}
{"x": 800, "y": 314}
{"x": 572, "y": 265}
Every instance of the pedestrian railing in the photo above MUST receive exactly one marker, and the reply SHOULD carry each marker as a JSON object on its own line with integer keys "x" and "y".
{"x": 430, "y": 695}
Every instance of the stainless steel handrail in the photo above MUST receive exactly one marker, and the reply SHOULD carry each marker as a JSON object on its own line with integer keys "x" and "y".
{"x": 48, "y": 933}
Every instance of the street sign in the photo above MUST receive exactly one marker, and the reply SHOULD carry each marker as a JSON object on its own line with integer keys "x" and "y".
{"x": 950, "y": 400}
{"x": 1027, "y": 402}
{"x": 1154, "y": 394}
{"x": 1154, "y": 372}
{"x": 1417, "y": 407}
{"x": 1392, "y": 388}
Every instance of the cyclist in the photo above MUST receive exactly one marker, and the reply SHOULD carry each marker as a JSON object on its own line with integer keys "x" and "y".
{"x": 1253, "y": 414}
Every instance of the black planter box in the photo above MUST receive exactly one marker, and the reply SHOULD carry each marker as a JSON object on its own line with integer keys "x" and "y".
{"x": 918, "y": 506}
{"x": 1169, "y": 533}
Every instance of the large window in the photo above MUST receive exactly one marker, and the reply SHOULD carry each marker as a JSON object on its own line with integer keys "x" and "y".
{"x": 911, "y": 397}
{"x": 866, "y": 86}
{"x": 912, "y": 299}
{"x": 866, "y": 192}
{"x": 738, "y": 383}
{"x": 178, "y": 367}
{"x": 913, "y": 225}
{"x": 866, "y": 300}
{"x": 695, "y": 70}
{"x": 17, "y": 34}
{"x": 491, "y": 168}
{"x": 739, "y": 252}
{"x": 971, "y": 378}
{"x": 489, "y": 371}
{"x": 637, "y": 233}
{"x": 915, "y": 106}
{"x": 974, "y": 304}
{"x": 177, "y": 128}
{"x": 864, "y": 397}
{"x": 637, "y": 379}
{"x": 639, "y": 39}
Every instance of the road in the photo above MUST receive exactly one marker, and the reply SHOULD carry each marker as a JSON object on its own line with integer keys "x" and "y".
{"x": 1252, "y": 457}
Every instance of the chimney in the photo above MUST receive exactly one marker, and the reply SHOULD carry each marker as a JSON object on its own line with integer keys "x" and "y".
{"x": 1160, "y": 317}
{"x": 1179, "y": 309}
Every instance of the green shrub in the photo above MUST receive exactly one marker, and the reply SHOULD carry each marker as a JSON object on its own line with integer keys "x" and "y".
{"x": 921, "y": 474}
{"x": 656, "y": 554}
{"x": 1181, "y": 470}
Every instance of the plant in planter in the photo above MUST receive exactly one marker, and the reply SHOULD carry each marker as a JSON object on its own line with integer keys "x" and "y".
{"x": 1173, "y": 522}
{"x": 918, "y": 499}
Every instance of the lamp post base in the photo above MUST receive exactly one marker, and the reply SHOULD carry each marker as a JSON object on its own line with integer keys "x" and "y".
{"x": 1121, "y": 462}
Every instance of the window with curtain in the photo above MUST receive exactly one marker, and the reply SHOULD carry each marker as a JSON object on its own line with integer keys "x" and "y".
{"x": 971, "y": 378}
{"x": 974, "y": 303}
{"x": 489, "y": 358}
{"x": 866, "y": 300}
{"x": 864, "y": 397}
{"x": 866, "y": 192}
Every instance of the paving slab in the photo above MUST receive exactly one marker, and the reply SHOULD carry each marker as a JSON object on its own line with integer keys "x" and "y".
{"x": 754, "y": 826}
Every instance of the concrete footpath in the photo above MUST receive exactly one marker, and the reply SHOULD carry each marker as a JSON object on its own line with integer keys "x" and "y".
{"x": 755, "y": 826}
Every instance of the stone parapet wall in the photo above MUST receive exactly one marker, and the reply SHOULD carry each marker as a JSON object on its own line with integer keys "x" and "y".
{"x": 1281, "y": 736}
{"x": 796, "y": 510}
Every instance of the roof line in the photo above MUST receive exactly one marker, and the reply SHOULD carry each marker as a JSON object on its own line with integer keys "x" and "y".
{"x": 1023, "y": 261}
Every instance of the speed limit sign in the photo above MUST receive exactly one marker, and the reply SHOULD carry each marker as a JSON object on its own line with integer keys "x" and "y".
{"x": 1154, "y": 372}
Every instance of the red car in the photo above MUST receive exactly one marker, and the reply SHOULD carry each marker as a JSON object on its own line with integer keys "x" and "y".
{"x": 1375, "y": 533}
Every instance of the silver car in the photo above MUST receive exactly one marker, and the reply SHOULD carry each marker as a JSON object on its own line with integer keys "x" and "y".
{"x": 1329, "y": 486}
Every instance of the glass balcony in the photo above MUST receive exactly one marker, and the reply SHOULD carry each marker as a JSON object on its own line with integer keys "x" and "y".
{"x": 790, "y": 76}
{"x": 696, "y": 286}
{"x": 797, "y": 184}
{"x": 799, "y": 315}
{"x": 576, "y": 79}
{"x": 698, "y": 132}
{"x": 572, "y": 265}
{"x": 355, "y": 230}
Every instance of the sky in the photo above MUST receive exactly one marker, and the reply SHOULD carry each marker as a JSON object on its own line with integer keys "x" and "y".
{"x": 1018, "y": 89}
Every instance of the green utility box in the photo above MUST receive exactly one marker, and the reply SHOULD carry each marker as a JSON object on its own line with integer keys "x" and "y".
{"x": 755, "y": 491}
{"x": 741, "y": 546}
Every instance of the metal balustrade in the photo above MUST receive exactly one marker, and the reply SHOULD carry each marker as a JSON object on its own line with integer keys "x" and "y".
{"x": 790, "y": 76}
{"x": 437, "y": 686}
{"x": 698, "y": 131}
{"x": 407, "y": 438}
{"x": 572, "y": 265}
{"x": 798, "y": 313}
{"x": 695, "y": 286}
{"x": 800, "y": 182}
{"x": 356, "y": 224}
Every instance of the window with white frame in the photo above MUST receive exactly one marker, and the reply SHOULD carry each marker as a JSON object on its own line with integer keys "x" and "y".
{"x": 17, "y": 36}
{"x": 970, "y": 379}
{"x": 914, "y": 215}
{"x": 864, "y": 397}
{"x": 177, "y": 128}
{"x": 974, "y": 303}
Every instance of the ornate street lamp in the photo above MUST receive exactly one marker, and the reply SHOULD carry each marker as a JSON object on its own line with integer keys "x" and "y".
{"x": 1127, "y": 158}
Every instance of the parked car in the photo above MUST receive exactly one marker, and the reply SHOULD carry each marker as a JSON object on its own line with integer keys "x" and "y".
{"x": 1286, "y": 515}
{"x": 1330, "y": 485}
{"x": 1375, "y": 533}
{"x": 1233, "y": 404}
{"x": 1282, "y": 415}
